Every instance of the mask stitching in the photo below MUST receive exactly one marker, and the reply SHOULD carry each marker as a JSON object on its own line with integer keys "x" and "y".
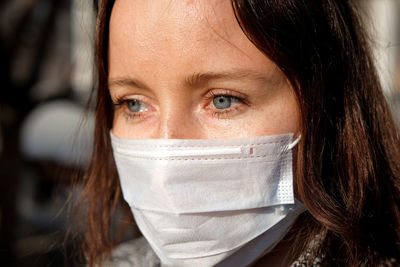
{"x": 125, "y": 143}
{"x": 192, "y": 159}
{"x": 196, "y": 146}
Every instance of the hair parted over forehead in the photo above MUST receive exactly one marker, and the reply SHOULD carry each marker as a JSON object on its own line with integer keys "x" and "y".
{"x": 347, "y": 170}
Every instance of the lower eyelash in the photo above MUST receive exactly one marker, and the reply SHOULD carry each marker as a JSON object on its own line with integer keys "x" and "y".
{"x": 218, "y": 114}
{"x": 223, "y": 114}
{"x": 131, "y": 116}
{"x": 119, "y": 103}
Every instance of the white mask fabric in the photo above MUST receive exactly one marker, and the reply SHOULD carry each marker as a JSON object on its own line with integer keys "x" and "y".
{"x": 203, "y": 202}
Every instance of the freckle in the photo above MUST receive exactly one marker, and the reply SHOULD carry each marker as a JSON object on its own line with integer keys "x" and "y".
{"x": 189, "y": 2}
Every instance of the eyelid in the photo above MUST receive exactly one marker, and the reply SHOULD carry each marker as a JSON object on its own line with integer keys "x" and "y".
{"x": 121, "y": 102}
{"x": 217, "y": 92}
{"x": 239, "y": 106}
{"x": 225, "y": 92}
{"x": 118, "y": 100}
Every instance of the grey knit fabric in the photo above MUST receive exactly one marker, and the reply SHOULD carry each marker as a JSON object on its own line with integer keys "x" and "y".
{"x": 134, "y": 253}
{"x": 138, "y": 253}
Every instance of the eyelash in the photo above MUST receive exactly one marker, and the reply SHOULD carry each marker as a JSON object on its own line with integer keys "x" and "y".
{"x": 221, "y": 114}
{"x": 224, "y": 113}
{"x": 120, "y": 102}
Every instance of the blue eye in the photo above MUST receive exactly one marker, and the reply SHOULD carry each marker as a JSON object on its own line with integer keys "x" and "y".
{"x": 131, "y": 108}
{"x": 223, "y": 101}
{"x": 135, "y": 105}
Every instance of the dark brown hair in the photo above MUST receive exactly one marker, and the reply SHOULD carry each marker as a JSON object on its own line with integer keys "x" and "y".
{"x": 347, "y": 170}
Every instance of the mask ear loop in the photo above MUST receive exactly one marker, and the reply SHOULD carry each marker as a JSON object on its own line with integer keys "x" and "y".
{"x": 295, "y": 142}
{"x": 292, "y": 145}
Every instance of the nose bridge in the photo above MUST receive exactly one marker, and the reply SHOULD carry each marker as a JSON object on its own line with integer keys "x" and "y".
{"x": 176, "y": 120}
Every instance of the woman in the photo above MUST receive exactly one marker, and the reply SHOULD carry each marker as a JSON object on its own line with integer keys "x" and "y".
{"x": 242, "y": 74}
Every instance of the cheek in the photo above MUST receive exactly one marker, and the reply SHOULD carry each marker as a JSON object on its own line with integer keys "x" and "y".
{"x": 282, "y": 115}
{"x": 124, "y": 128}
{"x": 120, "y": 128}
{"x": 285, "y": 117}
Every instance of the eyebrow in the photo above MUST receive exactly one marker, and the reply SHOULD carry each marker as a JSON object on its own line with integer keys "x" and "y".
{"x": 127, "y": 81}
{"x": 198, "y": 79}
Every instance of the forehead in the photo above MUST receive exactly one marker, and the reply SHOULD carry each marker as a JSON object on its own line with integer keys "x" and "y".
{"x": 170, "y": 33}
{"x": 155, "y": 22}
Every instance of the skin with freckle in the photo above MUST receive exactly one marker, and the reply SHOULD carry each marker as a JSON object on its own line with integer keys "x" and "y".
{"x": 160, "y": 45}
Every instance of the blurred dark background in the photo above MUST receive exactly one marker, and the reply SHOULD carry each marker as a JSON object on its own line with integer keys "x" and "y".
{"x": 46, "y": 131}
{"x": 45, "y": 140}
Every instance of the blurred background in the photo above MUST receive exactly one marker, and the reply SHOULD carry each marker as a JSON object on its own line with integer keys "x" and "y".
{"x": 45, "y": 129}
{"x": 46, "y": 72}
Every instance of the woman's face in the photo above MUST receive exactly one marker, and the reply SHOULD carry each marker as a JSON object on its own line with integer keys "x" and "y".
{"x": 184, "y": 69}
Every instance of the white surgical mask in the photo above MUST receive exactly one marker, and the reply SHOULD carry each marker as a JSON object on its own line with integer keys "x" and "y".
{"x": 209, "y": 202}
